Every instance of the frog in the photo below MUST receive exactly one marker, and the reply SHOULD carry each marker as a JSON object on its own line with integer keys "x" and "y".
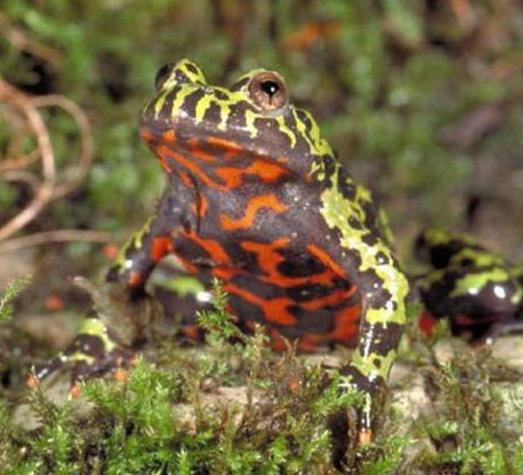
{"x": 257, "y": 198}
{"x": 478, "y": 291}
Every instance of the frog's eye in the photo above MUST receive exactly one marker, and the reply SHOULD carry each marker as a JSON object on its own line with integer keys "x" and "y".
{"x": 162, "y": 75}
{"x": 268, "y": 91}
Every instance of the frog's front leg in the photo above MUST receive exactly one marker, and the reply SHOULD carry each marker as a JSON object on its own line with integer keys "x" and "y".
{"x": 384, "y": 290}
{"x": 107, "y": 340}
{"x": 139, "y": 256}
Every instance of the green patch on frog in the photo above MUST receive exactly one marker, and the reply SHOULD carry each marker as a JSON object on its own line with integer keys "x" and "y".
{"x": 182, "y": 285}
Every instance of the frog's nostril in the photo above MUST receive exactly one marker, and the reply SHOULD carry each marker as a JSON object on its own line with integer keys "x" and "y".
{"x": 268, "y": 91}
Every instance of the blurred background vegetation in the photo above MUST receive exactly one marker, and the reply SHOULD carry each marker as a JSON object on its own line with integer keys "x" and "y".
{"x": 422, "y": 99}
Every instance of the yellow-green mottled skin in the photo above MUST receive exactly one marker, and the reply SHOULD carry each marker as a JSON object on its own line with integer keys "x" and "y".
{"x": 478, "y": 290}
{"x": 377, "y": 257}
{"x": 227, "y": 100}
{"x": 473, "y": 283}
{"x": 135, "y": 241}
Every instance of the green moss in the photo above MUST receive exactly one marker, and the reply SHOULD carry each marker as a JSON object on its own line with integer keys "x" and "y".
{"x": 468, "y": 428}
{"x": 9, "y": 294}
{"x": 161, "y": 420}
{"x": 173, "y": 414}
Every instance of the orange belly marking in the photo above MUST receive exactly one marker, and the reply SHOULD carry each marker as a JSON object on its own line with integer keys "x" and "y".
{"x": 269, "y": 259}
{"x": 160, "y": 247}
{"x": 215, "y": 251}
{"x": 256, "y": 204}
{"x": 274, "y": 310}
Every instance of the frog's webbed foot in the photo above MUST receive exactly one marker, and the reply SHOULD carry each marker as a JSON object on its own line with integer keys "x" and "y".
{"x": 106, "y": 343}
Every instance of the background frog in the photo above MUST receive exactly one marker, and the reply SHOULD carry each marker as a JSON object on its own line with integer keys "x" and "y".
{"x": 480, "y": 292}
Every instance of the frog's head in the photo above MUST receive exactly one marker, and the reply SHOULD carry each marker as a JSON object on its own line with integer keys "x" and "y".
{"x": 193, "y": 124}
{"x": 437, "y": 246}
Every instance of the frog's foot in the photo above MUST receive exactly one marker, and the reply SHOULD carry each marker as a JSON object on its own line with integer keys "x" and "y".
{"x": 352, "y": 427}
{"x": 501, "y": 329}
{"x": 364, "y": 418}
{"x": 93, "y": 353}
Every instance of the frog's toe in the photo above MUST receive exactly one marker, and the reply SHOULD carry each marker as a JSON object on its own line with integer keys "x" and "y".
{"x": 364, "y": 437}
{"x": 513, "y": 327}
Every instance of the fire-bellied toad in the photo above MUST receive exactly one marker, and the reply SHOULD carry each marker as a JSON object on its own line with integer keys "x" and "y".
{"x": 480, "y": 292}
{"x": 256, "y": 197}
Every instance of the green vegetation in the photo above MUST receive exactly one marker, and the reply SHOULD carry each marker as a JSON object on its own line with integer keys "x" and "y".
{"x": 240, "y": 408}
{"x": 138, "y": 426}
{"x": 471, "y": 429}
{"x": 390, "y": 82}
{"x": 8, "y": 295}
{"x": 422, "y": 99}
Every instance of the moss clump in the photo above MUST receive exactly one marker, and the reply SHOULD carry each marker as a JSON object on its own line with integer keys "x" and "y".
{"x": 9, "y": 294}
{"x": 470, "y": 428}
{"x": 233, "y": 406}
{"x": 177, "y": 418}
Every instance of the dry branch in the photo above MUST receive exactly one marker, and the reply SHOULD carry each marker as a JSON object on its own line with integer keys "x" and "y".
{"x": 44, "y": 193}
{"x": 24, "y": 113}
{"x": 76, "y": 174}
{"x": 61, "y": 235}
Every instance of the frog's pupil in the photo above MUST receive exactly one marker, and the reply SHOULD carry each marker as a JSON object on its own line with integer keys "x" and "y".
{"x": 270, "y": 87}
{"x": 268, "y": 91}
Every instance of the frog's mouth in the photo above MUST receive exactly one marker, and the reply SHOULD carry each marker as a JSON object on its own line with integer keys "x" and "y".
{"x": 215, "y": 161}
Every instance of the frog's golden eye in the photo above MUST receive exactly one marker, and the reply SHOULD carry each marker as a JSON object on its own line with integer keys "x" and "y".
{"x": 162, "y": 75}
{"x": 268, "y": 91}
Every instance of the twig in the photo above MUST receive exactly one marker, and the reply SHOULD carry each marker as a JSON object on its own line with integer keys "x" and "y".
{"x": 22, "y": 176}
{"x": 45, "y": 191}
{"x": 48, "y": 189}
{"x": 62, "y": 235}
{"x": 15, "y": 158}
{"x": 79, "y": 171}
{"x": 18, "y": 163}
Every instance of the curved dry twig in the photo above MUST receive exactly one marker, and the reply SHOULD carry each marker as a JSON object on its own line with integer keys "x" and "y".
{"x": 44, "y": 193}
{"x": 49, "y": 188}
{"x": 62, "y": 235}
{"x": 25, "y": 117}
{"x": 22, "y": 176}
{"x": 20, "y": 163}
{"x": 15, "y": 158}
{"x": 78, "y": 172}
